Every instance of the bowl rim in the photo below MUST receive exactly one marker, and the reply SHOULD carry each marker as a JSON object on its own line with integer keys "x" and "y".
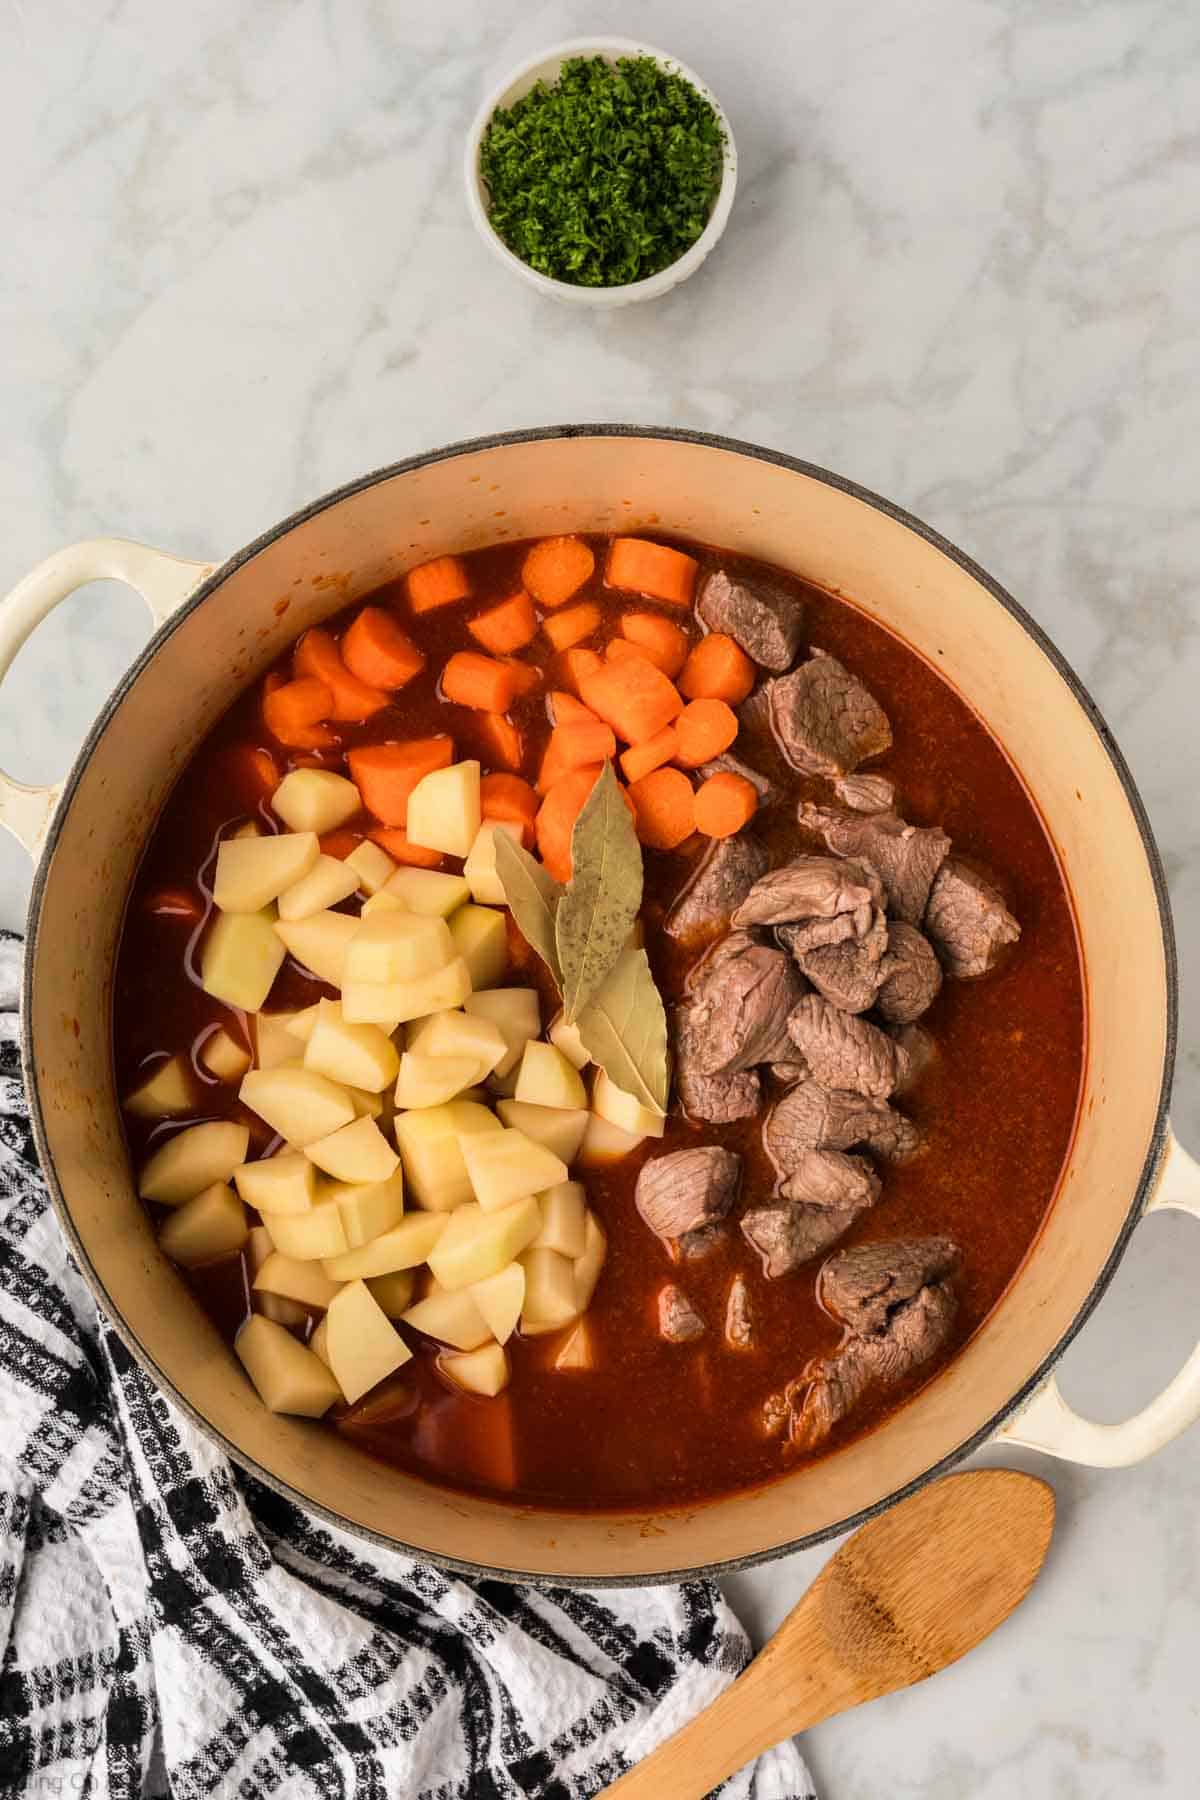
{"x": 650, "y": 287}
{"x": 551, "y": 434}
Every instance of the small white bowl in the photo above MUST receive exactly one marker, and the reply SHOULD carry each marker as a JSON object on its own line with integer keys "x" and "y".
{"x": 546, "y": 66}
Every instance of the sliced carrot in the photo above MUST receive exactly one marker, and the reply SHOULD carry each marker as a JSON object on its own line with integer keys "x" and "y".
{"x": 509, "y": 798}
{"x": 634, "y": 697}
{"x": 386, "y": 774}
{"x": 574, "y": 747}
{"x": 292, "y": 711}
{"x": 557, "y": 815}
{"x": 717, "y": 669}
{"x": 502, "y": 742}
{"x": 664, "y": 808}
{"x": 509, "y": 626}
{"x": 663, "y": 642}
{"x": 378, "y": 652}
{"x": 266, "y": 771}
{"x": 639, "y": 759}
{"x": 724, "y": 803}
{"x": 340, "y": 843}
{"x": 652, "y": 569}
{"x": 479, "y": 681}
{"x": 395, "y": 841}
{"x": 317, "y": 655}
{"x": 572, "y": 626}
{"x": 565, "y": 709}
{"x": 525, "y": 676}
{"x": 437, "y": 583}
{"x": 578, "y": 663}
{"x": 704, "y": 729}
{"x": 557, "y": 568}
{"x": 621, "y": 650}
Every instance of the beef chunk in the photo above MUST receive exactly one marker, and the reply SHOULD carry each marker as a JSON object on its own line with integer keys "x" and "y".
{"x": 832, "y": 1179}
{"x": 728, "y": 764}
{"x": 739, "y": 1325}
{"x": 833, "y": 1387}
{"x": 714, "y": 1099}
{"x": 864, "y": 1286}
{"x": 848, "y": 974}
{"x": 717, "y": 888}
{"x": 678, "y": 1320}
{"x": 788, "y": 1073}
{"x": 846, "y": 1052}
{"x": 968, "y": 921}
{"x": 686, "y": 1190}
{"x": 824, "y": 719}
{"x": 696, "y": 1244}
{"x": 760, "y": 615}
{"x": 789, "y": 1233}
{"x": 907, "y": 857}
{"x": 742, "y": 996}
{"x": 911, "y": 975}
{"x": 810, "y": 1117}
{"x": 836, "y": 898}
{"x": 866, "y": 793}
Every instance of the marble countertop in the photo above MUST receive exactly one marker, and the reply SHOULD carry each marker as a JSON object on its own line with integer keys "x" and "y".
{"x": 238, "y": 270}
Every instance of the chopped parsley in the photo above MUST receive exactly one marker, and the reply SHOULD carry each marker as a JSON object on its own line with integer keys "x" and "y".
{"x": 607, "y": 176}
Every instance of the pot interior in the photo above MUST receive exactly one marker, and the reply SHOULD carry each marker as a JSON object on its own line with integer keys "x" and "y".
{"x": 521, "y": 487}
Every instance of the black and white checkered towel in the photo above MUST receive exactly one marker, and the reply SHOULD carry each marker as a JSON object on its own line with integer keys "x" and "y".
{"x": 169, "y": 1626}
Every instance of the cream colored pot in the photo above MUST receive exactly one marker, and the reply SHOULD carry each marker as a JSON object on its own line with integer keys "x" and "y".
{"x": 219, "y": 626}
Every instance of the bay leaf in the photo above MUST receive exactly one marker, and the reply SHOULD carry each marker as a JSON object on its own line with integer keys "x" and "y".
{"x": 533, "y": 897}
{"x": 623, "y": 1028}
{"x": 598, "y": 909}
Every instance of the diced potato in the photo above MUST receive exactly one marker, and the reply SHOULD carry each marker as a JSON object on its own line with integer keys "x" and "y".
{"x": 604, "y": 1144}
{"x": 373, "y": 867}
{"x": 476, "y": 1244}
{"x": 479, "y": 870}
{"x": 432, "y": 1080}
{"x": 481, "y": 939}
{"x": 504, "y": 1086}
{"x": 429, "y": 1146}
{"x": 319, "y": 943}
{"x": 241, "y": 958}
{"x": 368, "y": 1106}
{"x": 278, "y": 1184}
{"x": 452, "y": 1318}
{"x": 327, "y": 882}
{"x": 471, "y": 1116}
{"x": 483, "y": 1371}
{"x": 168, "y": 1090}
{"x": 444, "y": 810}
{"x": 303, "y": 1282}
{"x": 517, "y": 1014}
{"x": 368, "y": 1209}
{"x": 302, "y": 1024}
{"x": 251, "y": 872}
{"x": 619, "y": 1108}
{"x": 506, "y": 1165}
{"x": 395, "y": 1002}
{"x": 299, "y": 1104}
{"x": 362, "y": 1343}
{"x": 318, "y": 1343}
{"x": 394, "y": 1292}
{"x": 500, "y": 1299}
{"x": 564, "y": 1214}
{"x": 589, "y": 1265}
{"x": 360, "y": 1056}
{"x": 548, "y": 1079}
{"x": 192, "y": 1160}
{"x": 558, "y": 1129}
{"x": 379, "y": 903}
{"x": 357, "y": 1153}
{"x": 455, "y": 1033}
{"x": 551, "y": 1292}
{"x": 428, "y": 891}
{"x": 405, "y": 1246}
{"x": 272, "y": 1306}
{"x": 312, "y": 1236}
{"x": 315, "y": 800}
{"x": 223, "y": 1057}
{"x": 397, "y": 946}
{"x": 288, "y": 1377}
{"x": 275, "y": 1043}
{"x": 578, "y": 1349}
{"x": 566, "y": 1038}
{"x": 210, "y": 1225}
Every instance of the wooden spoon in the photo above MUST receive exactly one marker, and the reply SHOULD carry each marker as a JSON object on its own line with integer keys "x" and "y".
{"x": 908, "y": 1594}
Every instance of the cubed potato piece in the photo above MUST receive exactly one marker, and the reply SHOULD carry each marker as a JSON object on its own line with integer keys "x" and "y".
{"x": 396, "y": 1002}
{"x": 327, "y": 882}
{"x": 455, "y": 1033}
{"x": 373, "y": 867}
{"x": 299, "y": 1104}
{"x": 278, "y": 1184}
{"x": 619, "y": 1108}
{"x": 380, "y": 903}
{"x": 405, "y": 1246}
{"x": 168, "y": 1089}
{"x": 368, "y": 1209}
{"x": 604, "y": 1144}
{"x": 589, "y": 1265}
{"x": 484, "y": 1371}
{"x": 428, "y": 1142}
{"x": 319, "y": 943}
{"x": 359, "y": 1056}
{"x": 192, "y": 1160}
{"x": 444, "y": 811}
{"x": 578, "y": 1348}
{"x": 517, "y": 1014}
{"x": 357, "y": 1153}
{"x": 397, "y": 946}
{"x": 566, "y": 1038}
{"x": 209, "y": 1226}
{"x": 432, "y": 1080}
{"x": 312, "y": 1236}
{"x": 394, "y": 1293}
{"x": 506, "y": 1165}
{"x": 241, "y": 958}
{"x": 362, "y": 1343}
{"x": 548, "y": 1079}
{"x": 318, "y": 1343}
{"x": 551, "y": 1293}
{"x": 275, "y": 1043}
{"x": 500, "y": 1299}
{"x": 503, "y": 1087}
{"x": 564, "y": 1216}
{"x": 481, "y": 939}
{"x": 222, "y": 1057}
{"x": 303, "y": 1282}
{"x": 451, "y": 1318}
{"x": 288, "y": 1377}
{"x": 479, "y": 870}
{"x": 303, "y": 1024}
{"x": 251, "y": 872}
{"x": 370, "y": 1106}
{"x": 559, "y": 1129}
{"x": 428, "y": 891}
{"x": 315, "y": 800}
{"x": 272, "y": 1306}
{"x": 476, "y": 1244}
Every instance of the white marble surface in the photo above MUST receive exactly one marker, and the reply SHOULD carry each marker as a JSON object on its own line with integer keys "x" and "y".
{"x": 963, "y": 268}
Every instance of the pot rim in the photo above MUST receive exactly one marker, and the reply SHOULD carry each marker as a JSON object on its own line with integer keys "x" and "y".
{"x": 779, "y": 459}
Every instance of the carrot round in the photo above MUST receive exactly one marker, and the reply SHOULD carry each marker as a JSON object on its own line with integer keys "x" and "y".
{"x": 575, "y": 746}
{"x": 557, "y": 815}
{"x": 509, "y": 626}
{"x": 724, "y": 803}
{"x": 639, "y": 759}
{"x": 317, "y": 655}
{"x": 717, "y": 669}
{"x": 632, "y": 696}
{"x": 512, "y": 800}
{"x": 437, "y": 583}
{"x": 378, "y": 652}
{"x": 570, "y": 627}
{"x": 292, "y": 713}
{"x": 386, "y": 774}
{"x": 664, "y": 643}
{"x": 395, "y": 841}
{"x": 557, "y": 568}
{"x": 479, "y": 681}
{"x": 664, "y": 808}
{"x": 704, "y": 728}
{"x": 501, "y": 741}
{"x": 655, "y": 570}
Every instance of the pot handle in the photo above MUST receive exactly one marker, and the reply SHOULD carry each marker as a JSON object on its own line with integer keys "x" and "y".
{"x": 164, "y": 583}
{"x": 1048, "y": 1424}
